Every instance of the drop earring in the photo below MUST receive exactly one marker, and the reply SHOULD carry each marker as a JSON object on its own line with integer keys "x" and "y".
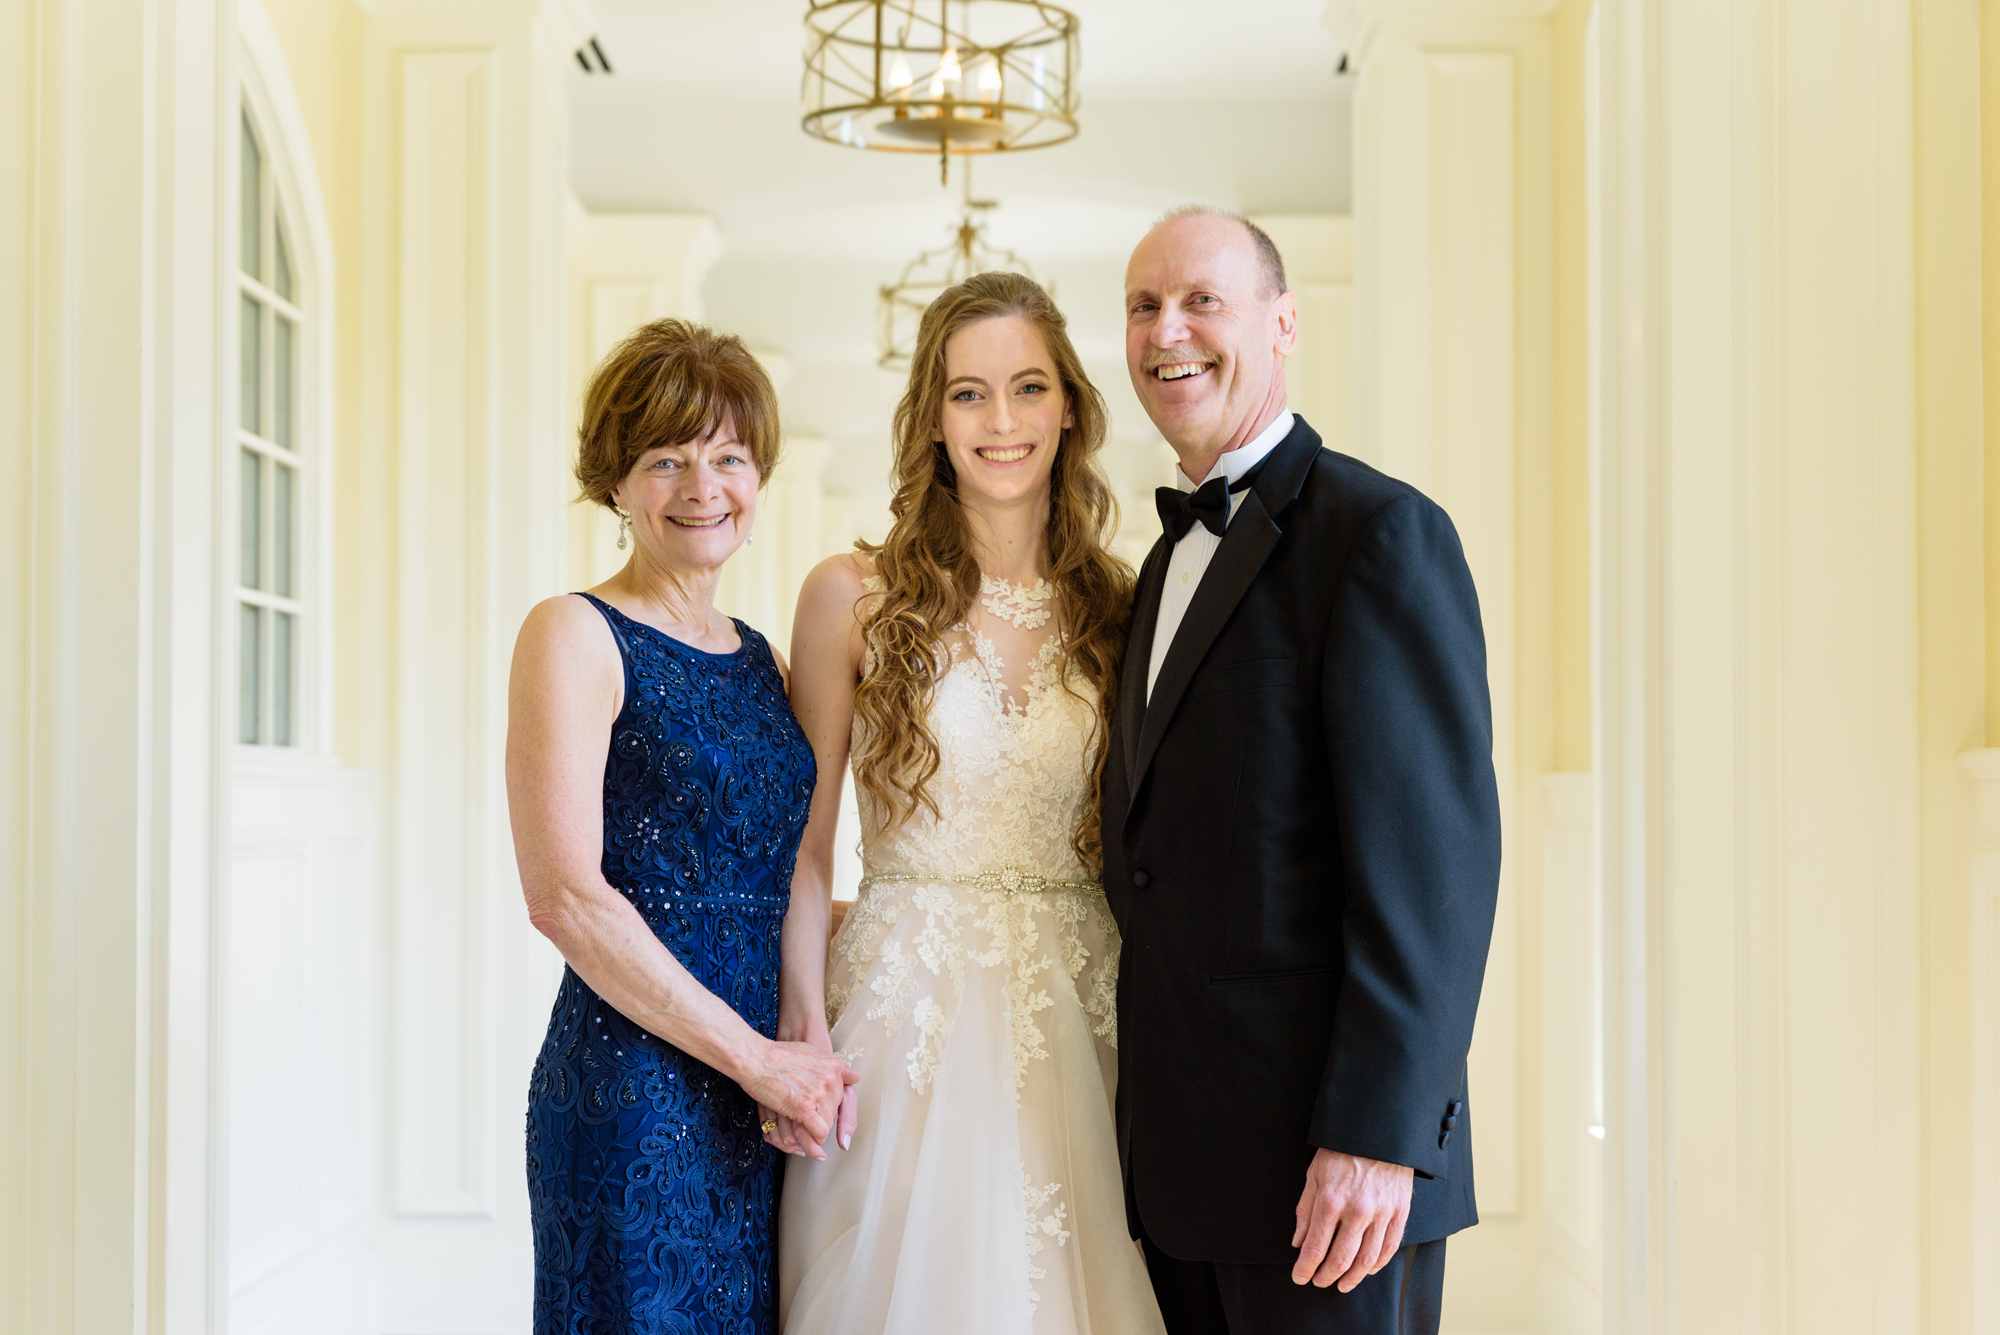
{"x": 624, "y": 528}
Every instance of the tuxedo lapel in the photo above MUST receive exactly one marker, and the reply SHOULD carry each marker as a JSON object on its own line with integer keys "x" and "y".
{"x": 1245, "y": 546}
{"x": 1139, "y": 651}
{"x": 1247, "y": 543}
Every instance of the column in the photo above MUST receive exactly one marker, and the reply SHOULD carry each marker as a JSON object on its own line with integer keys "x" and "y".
{"x": 1452, "y": 377}
{"x": 1780, "y": 701}
{"x": 110, "y": 728}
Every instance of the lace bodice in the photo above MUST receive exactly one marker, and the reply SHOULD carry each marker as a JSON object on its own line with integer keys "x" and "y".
{"x": 973, "y": 985}
{"x": 1013, "y": 769}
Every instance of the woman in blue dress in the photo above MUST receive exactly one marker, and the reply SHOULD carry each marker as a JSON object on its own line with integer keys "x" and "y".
{"x": 658, "y": 785}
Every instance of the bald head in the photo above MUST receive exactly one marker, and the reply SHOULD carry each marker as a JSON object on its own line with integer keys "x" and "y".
{"x": 1208, "y": 325}
{"x": 1269, "y": 262}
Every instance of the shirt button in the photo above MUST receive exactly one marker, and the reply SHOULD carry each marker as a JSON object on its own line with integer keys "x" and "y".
{"x": 1184, "y": 576}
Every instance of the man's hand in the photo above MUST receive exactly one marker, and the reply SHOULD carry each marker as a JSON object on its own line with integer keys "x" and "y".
{"x": 1350, "y": 1219}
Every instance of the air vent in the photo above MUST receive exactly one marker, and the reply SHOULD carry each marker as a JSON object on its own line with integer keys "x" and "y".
{"x": 591, "y": 56}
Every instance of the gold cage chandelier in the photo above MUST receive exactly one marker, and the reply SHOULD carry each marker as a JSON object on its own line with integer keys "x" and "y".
{"x": 905, "y": 76}
{"x": 905, "y": 300}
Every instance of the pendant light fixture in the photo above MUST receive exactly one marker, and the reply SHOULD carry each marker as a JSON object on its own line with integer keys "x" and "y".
{"x": 940, "y": 76}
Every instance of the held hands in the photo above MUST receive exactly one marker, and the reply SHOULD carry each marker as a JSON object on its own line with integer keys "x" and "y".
{"x": 807, "y": 1091}
{"x": 1350, "y": 1219}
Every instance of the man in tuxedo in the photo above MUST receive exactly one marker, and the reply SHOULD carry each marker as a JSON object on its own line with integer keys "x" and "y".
{"x": 1301, "y": 836}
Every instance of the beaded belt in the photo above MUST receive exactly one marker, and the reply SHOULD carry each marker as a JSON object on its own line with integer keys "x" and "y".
{"x": 1004, "y": 881}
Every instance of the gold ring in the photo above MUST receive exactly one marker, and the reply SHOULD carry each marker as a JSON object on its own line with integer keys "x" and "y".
{"x": 769, "y": 1127}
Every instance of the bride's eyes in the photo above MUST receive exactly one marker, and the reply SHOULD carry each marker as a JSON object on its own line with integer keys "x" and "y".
{"x": 1032, "y": 388}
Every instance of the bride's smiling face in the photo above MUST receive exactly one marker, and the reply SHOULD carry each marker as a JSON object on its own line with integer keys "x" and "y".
{"x": 1003, "y": 414}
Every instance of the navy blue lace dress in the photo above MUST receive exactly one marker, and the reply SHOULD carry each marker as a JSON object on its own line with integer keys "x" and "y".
{"x": 653, "y": 1194}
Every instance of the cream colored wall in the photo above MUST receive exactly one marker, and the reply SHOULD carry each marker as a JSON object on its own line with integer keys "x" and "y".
{"x": 1569, "y": 501}
{"x": 1319, "y": 376}
{"x": 1951, "y": 634}
{"x": 1455, "y": 386}
{"x": 18, "y": 281}
{"x": 1790, "y": 634}
{"x": 1989, "y": 140}
{"x": 109, "y": 708}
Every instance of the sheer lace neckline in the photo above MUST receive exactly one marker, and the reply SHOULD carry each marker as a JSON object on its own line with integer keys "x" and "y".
{"x": 1019, "y": 605}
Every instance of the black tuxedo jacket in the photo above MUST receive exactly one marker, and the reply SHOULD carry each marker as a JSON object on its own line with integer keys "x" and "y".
{"x": 1302, "y": 850}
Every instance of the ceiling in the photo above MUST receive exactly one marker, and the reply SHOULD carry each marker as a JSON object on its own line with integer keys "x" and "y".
{"x": 748, "y": 50}
{"x": 1234, "y": 103}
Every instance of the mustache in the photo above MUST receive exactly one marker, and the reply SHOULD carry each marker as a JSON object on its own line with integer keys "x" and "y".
{"x": 1174, "y": 356}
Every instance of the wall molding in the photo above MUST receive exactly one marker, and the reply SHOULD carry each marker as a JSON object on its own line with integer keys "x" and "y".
{"x": 1981, "y": 770}
{"x": 448, "y": 392}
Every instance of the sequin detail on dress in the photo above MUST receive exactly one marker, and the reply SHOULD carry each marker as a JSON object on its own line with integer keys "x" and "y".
{"x": 651, "y": 1189}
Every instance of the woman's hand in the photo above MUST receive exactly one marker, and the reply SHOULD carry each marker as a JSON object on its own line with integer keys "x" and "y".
{"x": 790, "y": 1136}
{"x": 805, "y": 1084}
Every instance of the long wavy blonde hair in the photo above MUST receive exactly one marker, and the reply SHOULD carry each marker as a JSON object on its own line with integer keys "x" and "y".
{"x": 931, "y": 575}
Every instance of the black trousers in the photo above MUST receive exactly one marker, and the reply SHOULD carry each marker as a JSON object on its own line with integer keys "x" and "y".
{"x": 1213, "y": 1298}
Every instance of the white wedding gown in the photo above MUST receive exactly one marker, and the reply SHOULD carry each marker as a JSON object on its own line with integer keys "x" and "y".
{"x": 972, "y": 985}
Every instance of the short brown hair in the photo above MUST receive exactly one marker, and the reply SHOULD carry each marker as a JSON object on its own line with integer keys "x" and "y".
{"x": 668, "y": 383}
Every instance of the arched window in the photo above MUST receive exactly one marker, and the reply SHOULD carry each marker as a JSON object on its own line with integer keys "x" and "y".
{"x": 272, "y": 460}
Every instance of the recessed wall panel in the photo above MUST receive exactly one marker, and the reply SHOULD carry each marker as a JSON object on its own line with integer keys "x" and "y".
{"x": 445, "y": 380}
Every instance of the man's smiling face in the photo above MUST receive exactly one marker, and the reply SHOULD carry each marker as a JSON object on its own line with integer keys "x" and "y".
{"x": 1205, "y": 334}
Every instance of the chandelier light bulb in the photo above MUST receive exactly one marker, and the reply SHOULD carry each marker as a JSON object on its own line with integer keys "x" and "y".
{"x": 954, "y": 83}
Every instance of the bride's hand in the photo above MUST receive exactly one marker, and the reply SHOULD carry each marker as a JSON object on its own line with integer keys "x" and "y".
{"x": 804, "y": 1084}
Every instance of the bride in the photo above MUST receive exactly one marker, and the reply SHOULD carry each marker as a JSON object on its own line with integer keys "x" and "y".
{"x": 970, "y": 663}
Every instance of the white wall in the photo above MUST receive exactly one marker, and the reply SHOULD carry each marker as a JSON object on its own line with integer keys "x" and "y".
{"x": 303, "y": 987}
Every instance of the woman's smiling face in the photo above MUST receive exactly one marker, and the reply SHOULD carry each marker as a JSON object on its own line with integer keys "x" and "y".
{"x": 692, "y": 504}
{"x": 1004, "y": 413}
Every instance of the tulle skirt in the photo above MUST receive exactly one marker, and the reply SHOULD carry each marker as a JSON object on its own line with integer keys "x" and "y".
{"x": 981, "y": 1192}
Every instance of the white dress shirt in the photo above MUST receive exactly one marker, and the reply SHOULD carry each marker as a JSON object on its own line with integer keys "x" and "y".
{"x": 1197, "y": 546}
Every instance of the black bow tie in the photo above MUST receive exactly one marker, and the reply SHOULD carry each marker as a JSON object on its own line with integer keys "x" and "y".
{"x": 1207, "y": 505}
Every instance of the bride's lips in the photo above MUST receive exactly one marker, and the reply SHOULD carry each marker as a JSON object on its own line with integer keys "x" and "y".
{"x": 1004, "y": 455}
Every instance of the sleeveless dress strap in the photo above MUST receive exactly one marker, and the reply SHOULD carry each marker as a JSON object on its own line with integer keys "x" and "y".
{"x": 612, "y": 618}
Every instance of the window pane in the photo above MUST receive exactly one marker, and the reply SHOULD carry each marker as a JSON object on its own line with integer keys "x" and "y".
{"x": 281, "y": 677}
{"x": 252, "y": 368}
{"x": 253, "y": 204}
{"x": 249, "y": 673}
{"x": 281, "y": 380}
{"x": 284, "y": 278}
{"x": 251, "y": 536}
{"x": 283, "y": 482}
